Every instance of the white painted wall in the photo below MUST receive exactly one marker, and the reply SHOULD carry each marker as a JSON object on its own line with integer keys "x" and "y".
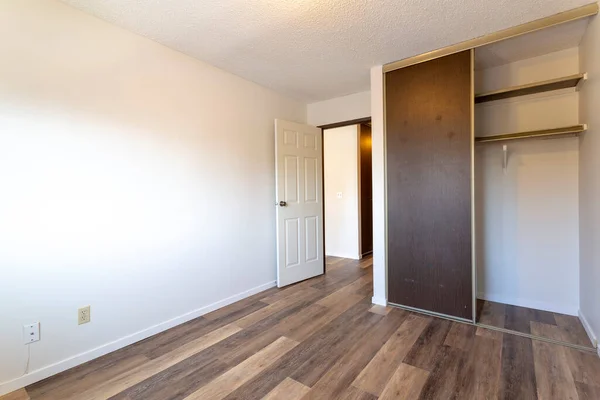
{"x": 339, "y": 109}
{"x": 527, "y": 218}
{"x": 342, "y": 217}
{"x": 379, "y": 194}
{"x": 589, "y": 180}
{"x": 134, "y": 179}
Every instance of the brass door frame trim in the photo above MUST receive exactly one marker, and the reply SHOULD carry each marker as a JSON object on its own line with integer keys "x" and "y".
{"x": 587, "y": 349}
{"x": 385, "y": 178}
{"x": 473, "y": 211}
{"x": 556, "y": 19}
{"x": 433, "y": 314}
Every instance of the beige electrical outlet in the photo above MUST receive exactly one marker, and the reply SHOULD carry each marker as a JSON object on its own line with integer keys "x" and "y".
{"x": 84, "y": 315}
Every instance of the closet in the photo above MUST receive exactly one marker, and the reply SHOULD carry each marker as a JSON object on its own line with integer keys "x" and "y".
{"x": 482, "y": 180}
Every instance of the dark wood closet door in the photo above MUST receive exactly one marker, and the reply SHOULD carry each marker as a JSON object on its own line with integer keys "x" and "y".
{"x": 366, "y": 190}
{"x": 428, "y": 128}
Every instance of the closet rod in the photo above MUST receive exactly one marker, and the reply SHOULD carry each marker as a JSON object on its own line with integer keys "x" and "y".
{"x": 531, "y": 88}
{"x": 544, "y": 133}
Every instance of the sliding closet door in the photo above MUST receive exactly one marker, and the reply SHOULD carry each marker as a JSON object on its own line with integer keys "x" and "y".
{"x": 429, "y": 161}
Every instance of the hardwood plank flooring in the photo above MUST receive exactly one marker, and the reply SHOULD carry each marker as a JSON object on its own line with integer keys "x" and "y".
{"x": 375, "y": 376}
{"x": 425, "y": 351}
{"x": 339, "y": 377}
{"x": 443, "y": 382}
{"x": 288, "y": 389}
{"x": 587, "y": 392}
{"x": 241, "y": 373}
{"x": 406, "y": 383}
{"x": 17, "y": 395}
{"x": 323, "y": 339}
{"x": 481, "y": 377}
{"x": 121, "y": 382}
{"x": 520, "y": 319}
{"x": 553, "y": 376}
{"x": 460, "y": 336}
{"x": 353, "y": 393}
{"x": 517, "y": 379}
{"x": 572, "y": 330}
{"x": 382, "y": 310}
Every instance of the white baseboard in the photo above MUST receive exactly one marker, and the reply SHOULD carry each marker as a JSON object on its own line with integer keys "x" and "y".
{"x": 588, "y": 329}
{"x": 538, "y": 305}
{"x": 381, "y": 301}
{"x": 343, "y": 255}
{"x": 53, "y": 369}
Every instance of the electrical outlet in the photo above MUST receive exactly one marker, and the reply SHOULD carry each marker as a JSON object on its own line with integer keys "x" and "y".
{"x": 84, "y": 315}
{"x": 31, "y": 333}
{"x": 340, "y": 195}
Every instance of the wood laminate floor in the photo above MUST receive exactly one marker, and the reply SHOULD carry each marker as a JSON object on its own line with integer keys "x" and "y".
{"x": 323, "y": 339}
{"x": 565, "y": 328}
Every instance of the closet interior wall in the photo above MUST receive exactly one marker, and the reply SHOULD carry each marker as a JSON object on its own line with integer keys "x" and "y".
{"x": 527, "y": 212}
{"x": 589, "y": 187}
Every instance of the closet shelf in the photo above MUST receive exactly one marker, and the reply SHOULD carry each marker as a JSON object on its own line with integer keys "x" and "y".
{"x": 544, "y": 133}
{"x": 531, "y": 88}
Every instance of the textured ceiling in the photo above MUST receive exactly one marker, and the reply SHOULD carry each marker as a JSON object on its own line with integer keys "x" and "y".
{"x": 549, "y": 40}
{"x": 314, "y": 49}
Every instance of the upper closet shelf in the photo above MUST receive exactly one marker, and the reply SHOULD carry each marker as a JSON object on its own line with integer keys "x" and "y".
{"x": 538, "y": 87}
{"x": 545, "y": 133}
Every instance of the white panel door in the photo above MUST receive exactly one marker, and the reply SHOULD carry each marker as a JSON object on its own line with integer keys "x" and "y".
{"x": 298, "y": 177}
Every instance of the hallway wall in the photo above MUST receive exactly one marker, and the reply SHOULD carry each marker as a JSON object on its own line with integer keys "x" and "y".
{"x": 342, "y": 224}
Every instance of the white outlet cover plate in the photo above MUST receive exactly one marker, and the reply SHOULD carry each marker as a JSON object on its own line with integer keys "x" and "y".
{"x": 84, "y": 315}
{"x": 31, "y": 333}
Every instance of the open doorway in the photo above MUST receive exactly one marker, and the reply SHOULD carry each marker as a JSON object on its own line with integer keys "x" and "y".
{"x": 348, "y": 191}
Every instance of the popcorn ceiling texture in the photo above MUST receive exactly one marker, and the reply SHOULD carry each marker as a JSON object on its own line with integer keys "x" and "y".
{"x": 314, "y": 49}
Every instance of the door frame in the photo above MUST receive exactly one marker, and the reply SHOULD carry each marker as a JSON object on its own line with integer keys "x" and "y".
{"x": 341, "y": 124}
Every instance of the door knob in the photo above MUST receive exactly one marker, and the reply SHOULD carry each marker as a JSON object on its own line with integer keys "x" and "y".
{"x": 282, "y": 204}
